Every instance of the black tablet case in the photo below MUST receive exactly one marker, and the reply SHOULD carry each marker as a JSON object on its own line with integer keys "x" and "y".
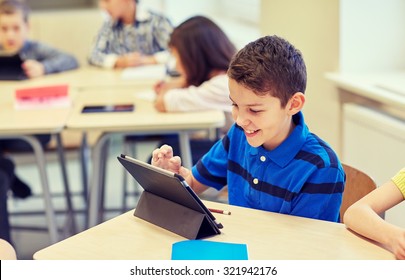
{"x": 167, "y": 201}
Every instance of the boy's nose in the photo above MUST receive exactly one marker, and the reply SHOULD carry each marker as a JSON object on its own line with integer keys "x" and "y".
{"x": 241, "y": 120}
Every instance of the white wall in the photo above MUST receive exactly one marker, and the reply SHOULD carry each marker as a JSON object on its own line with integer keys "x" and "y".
{"x": 179, "y": 10}
{"x": 52, "y": 25}
{"x": 372, "y": 35}
{"x": 70, "y": 30}
{"x": 312, "y": 26}
{"x": 238, "y": 18}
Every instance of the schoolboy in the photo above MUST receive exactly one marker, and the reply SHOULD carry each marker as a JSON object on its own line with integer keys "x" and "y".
{"x": 39, "y": 59}
{"x": 268, "y": 159}
{"x": 131, "y": 36}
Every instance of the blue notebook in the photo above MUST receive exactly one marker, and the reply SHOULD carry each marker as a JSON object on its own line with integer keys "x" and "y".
{"x": 208, "y": 250}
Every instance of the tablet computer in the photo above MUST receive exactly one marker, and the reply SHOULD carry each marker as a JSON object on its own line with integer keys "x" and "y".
{"x": 10, "y": 67}
{"x": 114, "y": 108}
{"x": 167, "y": 185}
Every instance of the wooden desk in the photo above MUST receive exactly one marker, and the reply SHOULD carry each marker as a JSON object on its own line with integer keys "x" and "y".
{"x": 84, "y": 77}
{"x": 143, "y": 120}
{"x": 22, "y": 124}
{"x": 267, "y": 235}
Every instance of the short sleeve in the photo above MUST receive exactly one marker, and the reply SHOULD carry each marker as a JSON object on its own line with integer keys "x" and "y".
{"x": 399, "y": 181}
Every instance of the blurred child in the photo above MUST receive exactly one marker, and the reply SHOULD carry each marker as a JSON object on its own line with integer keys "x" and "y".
{"x": 130, "y": 37}
{"x": 363, "y": 216}
{"x": 39, "y": 59}
{"x": 269, "y": 159}
{"x": 202, "y": 52}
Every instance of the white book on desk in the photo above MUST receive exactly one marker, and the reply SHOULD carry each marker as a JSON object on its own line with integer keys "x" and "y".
{"x": 146, "y": 72}
{"x": 148, "y": 95}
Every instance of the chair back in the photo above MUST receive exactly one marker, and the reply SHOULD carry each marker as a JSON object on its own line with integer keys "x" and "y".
{"x": 358, "y": 184}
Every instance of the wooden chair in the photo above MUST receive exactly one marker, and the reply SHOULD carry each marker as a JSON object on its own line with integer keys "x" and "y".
{"x": 358, "y": 184}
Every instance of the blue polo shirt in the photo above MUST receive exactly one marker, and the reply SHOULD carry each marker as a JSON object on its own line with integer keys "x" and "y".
{"x": 301, "y": 177}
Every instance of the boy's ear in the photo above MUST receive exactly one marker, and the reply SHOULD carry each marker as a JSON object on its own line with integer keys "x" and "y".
{"x": 296, "y": 103}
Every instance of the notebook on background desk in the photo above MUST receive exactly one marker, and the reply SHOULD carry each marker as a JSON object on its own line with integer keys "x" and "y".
{"x": 167, "y": 201}
{"x": 10, "y": 67}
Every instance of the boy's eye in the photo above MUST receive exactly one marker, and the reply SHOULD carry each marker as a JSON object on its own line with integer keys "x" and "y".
{"x": 254, "y": 111}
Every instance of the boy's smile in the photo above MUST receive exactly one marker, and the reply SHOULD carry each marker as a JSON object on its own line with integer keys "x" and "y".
{"x": 262, "y": 118}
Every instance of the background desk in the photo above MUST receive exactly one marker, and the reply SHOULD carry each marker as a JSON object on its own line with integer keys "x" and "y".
{"x": 22, "y": 124}
{"x": 88, "y": 77}
{"x": 143, "y": 120}
{"x": 267, "y": 235}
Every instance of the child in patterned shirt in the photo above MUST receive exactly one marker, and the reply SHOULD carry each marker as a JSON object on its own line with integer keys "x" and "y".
{"x": 130, "y": 37}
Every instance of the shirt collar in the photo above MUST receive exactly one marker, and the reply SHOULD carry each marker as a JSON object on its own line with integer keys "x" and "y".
{"x": 289, "y": 148}
{"x": 141, "y": 15}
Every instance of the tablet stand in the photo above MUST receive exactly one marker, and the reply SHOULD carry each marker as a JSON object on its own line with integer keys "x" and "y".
{"x": 173, "y": 217}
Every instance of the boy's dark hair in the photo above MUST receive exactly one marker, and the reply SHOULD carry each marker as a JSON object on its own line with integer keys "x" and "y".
{"x": 202, "y": 47}
{"x": 9, "y": 7}
{"x": 270, "y": 65}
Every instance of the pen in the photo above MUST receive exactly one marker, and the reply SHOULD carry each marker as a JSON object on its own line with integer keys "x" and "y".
{"x": 225, "y": 212}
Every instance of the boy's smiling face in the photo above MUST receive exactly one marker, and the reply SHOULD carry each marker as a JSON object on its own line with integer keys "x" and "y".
{"x": 262, "y": 118}
{"x": 13, "y": 31}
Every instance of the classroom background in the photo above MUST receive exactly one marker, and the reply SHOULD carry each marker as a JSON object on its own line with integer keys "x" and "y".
{"x": 351, "y": 48}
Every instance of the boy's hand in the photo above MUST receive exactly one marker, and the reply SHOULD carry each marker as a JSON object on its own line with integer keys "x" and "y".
{"x": 33, "y": 68}
{"x": 134, "y": 59}
{"x": 163, "y": 157}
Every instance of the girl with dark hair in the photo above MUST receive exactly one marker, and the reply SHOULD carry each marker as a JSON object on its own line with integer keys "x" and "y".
{"x": 202, "y": 52}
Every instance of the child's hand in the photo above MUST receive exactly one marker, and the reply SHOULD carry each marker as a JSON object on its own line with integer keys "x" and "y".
{"x": 129, "y": 60}
{"x": 159, "y": 86}
{"x": 33, "y": 68}
{"x": 398, "y": 245}
{"x": 163, "y": 157}
{"x": 165, "y": 85}
{"x": 134, "y": 59}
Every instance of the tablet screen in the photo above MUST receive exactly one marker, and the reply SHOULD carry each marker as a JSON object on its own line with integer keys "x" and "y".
{"x": 108, "y": 108}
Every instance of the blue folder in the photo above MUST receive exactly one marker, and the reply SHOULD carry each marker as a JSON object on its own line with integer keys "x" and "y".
{"x": 208, "y": 250}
